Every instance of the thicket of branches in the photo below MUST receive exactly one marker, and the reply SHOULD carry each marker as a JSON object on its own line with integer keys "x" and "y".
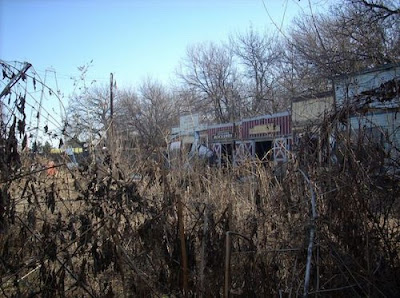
{"x": 251, "y": 73}
{"x": 326, "y": 223}
{"x": 89, "y": 232}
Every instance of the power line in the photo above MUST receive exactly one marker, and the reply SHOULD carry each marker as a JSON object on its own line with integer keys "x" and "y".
{"x": 74, "y": 76}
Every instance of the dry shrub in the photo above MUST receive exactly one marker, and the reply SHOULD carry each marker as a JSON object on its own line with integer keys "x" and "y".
{"x": 116, "y": 230}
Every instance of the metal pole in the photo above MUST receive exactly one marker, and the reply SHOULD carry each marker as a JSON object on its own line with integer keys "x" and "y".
{"x": 110, "y": 144}
{"x": 184, "y": 260}
{"x": 111, "y": 99}
{"x": 111, "y": 107}
{"x": 314, "y": 217}
{"x": 203, "y": 251}
{"x": 227, "y": 285}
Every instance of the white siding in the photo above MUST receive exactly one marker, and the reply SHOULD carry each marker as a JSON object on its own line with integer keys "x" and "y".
{"x": 347, "y": 87}
{"x": 386, "y": 122}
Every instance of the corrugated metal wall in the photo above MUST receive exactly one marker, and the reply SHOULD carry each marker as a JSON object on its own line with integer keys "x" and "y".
{"x": 213, "y": 131}
{"x": 387, "y": 121}
{"x": 284, "y": 122}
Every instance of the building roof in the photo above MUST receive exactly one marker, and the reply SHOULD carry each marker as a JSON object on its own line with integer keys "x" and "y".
{"x": 312, "y": 96}
{"x": 367, "y": 70}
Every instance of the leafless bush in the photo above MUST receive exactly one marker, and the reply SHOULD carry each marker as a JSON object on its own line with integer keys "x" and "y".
{"x": 141, "y": 229}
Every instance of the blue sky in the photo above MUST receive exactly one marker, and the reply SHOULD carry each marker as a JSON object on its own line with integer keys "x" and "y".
{"x": 133, "y": 39}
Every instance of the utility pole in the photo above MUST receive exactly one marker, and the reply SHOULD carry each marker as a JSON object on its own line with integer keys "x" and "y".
{"x": 111, "y": 124}
{"x": 111, "y": 103}
{"x": 110, "y": 141}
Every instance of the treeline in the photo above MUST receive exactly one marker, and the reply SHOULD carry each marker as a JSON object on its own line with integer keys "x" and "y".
{"x": 250, "y": 73}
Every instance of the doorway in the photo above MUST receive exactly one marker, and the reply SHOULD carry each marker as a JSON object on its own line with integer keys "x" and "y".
{"x": 226, "y": 154}
{"x": 263, "y": 150}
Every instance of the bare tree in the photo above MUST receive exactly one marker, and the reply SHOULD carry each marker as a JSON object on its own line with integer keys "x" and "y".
{"x": 148, "y": 115}
{"x": 354, "y": 35}
{"x": 89, "y": 113}
{"x": 258, "y": 55}
{"x": 385, "y": 8}
{"x": 209, "y": 71}
{"x": 190, "y": 101}
{"x": 381, "y": 19}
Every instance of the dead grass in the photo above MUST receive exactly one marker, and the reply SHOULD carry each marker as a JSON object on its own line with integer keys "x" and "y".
{"x": 99, "y": 232}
